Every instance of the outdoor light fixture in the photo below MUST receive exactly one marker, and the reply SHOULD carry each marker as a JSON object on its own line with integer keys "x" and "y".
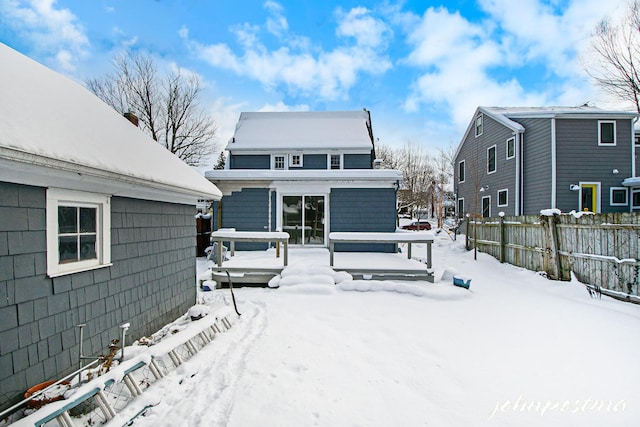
{"x": 615, "y": 171}
{"x": 574, "y": 187}
{"x": 483, "y": 189}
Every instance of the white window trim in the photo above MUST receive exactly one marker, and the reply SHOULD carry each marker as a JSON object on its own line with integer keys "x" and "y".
{"x": 291, "y": 164}
{"x": 341, "y": 161}
{"x": 631, "y": 199}
{"x": 506, "y": 190}
{"x": 57, "y": 197}
{"x": 482, "y": 206}
{"x": 475, "y": 124}
{"x": 626, "y": 199}
{"x": 495, "y": 159}
{"x": 458, "y": 206}
{"x": 273, "y": 161}
{"x": 606, "y": 144}
{"x": 513, "y": 138}
{"x": 464, "y": 167}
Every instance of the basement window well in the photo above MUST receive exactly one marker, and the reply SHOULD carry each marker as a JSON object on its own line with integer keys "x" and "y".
{"x": 78, "y": 231}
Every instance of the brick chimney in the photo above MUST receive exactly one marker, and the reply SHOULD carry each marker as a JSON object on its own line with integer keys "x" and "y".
{"x": 131, "y": 116}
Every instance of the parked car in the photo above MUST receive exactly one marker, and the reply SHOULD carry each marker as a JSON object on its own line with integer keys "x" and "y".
{"x": 417, "y": 225}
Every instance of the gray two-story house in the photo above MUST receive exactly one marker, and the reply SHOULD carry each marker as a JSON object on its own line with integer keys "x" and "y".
{"x": 305, "y": 173}
{"x": 522, "y": 160}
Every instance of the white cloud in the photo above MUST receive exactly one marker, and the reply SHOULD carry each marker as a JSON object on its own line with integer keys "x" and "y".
{"x": 276, "y": 22}
{"x": 300, "y": 67}
{"x": 359, "y": 24}
{"x": 51, "y": 30}
{"x": 281, "y": 106}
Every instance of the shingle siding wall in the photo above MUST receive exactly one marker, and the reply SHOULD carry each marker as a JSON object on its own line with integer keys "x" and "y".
{"x": 363, "y": 209}
{"x": 257, "y": 161}
{"x": 247, "y": 210}
{"x": 150, "y": 283}
{"x": 579, "y": 158}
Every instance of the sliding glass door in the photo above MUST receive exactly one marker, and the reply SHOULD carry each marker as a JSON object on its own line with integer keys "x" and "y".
{"x": 303, "y": 219}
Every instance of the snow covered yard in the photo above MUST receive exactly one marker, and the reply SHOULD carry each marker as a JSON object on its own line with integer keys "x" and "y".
{"x": 515, "y": 350}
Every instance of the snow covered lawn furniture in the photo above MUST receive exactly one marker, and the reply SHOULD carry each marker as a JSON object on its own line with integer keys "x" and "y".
{"x": 393, "y": 237}
{"x": 232, "y": 237}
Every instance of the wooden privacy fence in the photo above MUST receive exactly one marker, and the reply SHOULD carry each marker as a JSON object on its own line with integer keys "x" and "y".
{"x": 602, "y": 250}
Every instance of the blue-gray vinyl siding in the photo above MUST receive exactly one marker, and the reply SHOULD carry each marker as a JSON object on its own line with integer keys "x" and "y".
{"x": 357, "y": 161}
{"x": 314, "y": 161}
{"x": 536, "y": 167}
{"x": 579, "y": 158}
{"x": 250, "y": 161}
{"x": 365, "y": 210}
{"x": 474, "y": 154}
{"x": 149, "y": 284}
{"x": 247, "y": 210}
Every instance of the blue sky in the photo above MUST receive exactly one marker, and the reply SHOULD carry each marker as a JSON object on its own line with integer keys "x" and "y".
{"x": 420, "y": 67}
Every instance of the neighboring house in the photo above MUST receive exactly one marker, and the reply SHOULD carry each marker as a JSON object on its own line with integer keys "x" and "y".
{"x": 522, "y": 160}
{"x": 96, "y": 226}
{"x": 308, "y": 174}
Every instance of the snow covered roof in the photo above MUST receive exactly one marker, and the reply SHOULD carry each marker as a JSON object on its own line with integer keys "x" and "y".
{"x": 54, "y": 132}
{"x": 332, "y": 130}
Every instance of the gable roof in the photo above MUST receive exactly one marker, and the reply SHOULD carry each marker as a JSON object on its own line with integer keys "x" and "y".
{"x": 54, "y": 132}
{"x": 505, "y": 116}
{"x": 328, "y": 130}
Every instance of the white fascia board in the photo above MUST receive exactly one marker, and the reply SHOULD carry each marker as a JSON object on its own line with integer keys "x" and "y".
{"x": 39, "y": 171}
{"x": 303, "y": 175}
{"x": 296, "y": 150}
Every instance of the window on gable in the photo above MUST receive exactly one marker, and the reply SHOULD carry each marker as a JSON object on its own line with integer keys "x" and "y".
{"x": 491, "y": 159}
{"x": 461, "y": 171}
{"x": 479, "y": 124}
{"x": 606, "y": 132}
{"x": 618, "y": 196}
{"x": 335, "y": 161}
{"x": 511, "y": 148}
{"x": 296, "y": 160}
{"x": 279, "y": 162}
{"x": 503, "y": 198}
{"x": 78, "y": 231}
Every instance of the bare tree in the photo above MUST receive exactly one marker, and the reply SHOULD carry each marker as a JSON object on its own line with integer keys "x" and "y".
{"x": 617, "y": 52}
{"x": 442, "y": 179}
{"x": 167, "y": 106}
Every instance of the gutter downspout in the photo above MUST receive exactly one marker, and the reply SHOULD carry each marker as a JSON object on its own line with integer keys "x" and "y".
{"x": 518, "y": 184}
{"x": 553, "y": 163}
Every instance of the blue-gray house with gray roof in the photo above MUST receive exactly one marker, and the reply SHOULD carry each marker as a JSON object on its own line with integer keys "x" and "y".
{"x": 522, "y": 160}
{"x": 308, "y": 174}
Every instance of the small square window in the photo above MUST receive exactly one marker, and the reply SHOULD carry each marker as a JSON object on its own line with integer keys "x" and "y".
{"x": 618, "y": 196}
{"x": 635, "y": 199}
{"x": 511, "y": 148}
{"x": 296, "y": 160}
{"x": 461, "y": 171}
{"x": 491, "y": 159}
{"x": 78, "y": 231}
{"x": 336, "y": 161}
{"x": 503, "y": 198}
{"x": 606, "y": 133}
{"x": 278, "y": 162}
{"x": 479, "y": 124}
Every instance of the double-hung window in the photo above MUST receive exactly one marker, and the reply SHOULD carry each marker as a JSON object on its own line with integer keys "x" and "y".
{"x": 78, "y": 231}
{"x": 491, "y": 159}
{"x": 511, "y": 148}
{"x": 461, "y": 171}
{"x": 478, "y": 124}
{"x": 607, "y": 132}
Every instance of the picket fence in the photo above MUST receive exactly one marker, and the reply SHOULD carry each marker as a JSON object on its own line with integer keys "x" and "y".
{"x": 602, "y": 250}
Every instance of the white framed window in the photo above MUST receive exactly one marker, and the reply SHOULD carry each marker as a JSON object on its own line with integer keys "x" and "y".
{"x": 635, "y": 199}
{"x": 335, "y": 161}
{"x": 295, "y": 160}
{"x": 511, "y": 148}
{"x": 461, "y": 171}
{"x": 279, "y": 162}
{"x": 491, "y": 159}
{"x": 461, "y": 207}
{"x": 618, "y": 196}
{"x": 78, "y": 231}
{"x": 607, "y": 132}
{"x": 486, "y": 207}
{"x": 503, "y": 198}
{"x": 479, "y": 124}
